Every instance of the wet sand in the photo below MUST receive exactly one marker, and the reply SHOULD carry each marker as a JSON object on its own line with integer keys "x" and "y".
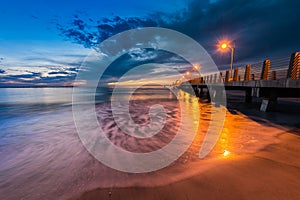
{"x": 272, "y": 172}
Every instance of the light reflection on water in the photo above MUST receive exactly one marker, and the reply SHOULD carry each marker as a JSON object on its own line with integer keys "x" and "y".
{"x": 43, "y": 158}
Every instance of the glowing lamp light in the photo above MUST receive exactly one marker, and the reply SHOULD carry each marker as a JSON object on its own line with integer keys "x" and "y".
{"x": 224, "y": 46}
{"x": 187, "y": 73}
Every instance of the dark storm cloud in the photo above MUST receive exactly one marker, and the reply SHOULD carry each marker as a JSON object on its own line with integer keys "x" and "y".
{"x": 130, "y": 60}
{"x": 261, "y": 28}
{"x": 73, "y": 69}
{"x": 35, "y": 78}
{"x": 90, "y": 33}
{"x": 51, "y": 73}
{"x": 20, "y": 76}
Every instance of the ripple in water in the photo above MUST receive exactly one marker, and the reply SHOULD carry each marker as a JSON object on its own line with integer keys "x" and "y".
{"x": 42, "y": 156}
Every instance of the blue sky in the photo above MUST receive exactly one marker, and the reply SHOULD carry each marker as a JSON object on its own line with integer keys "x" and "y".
{"x": 41, "y": 42}
{"x": 31, "y": 44}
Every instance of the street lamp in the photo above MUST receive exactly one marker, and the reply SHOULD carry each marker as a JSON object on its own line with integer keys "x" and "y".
{"x": 196, "y": 67}
{"x": 178, "y": 81}
{"x": 225, "y": 45}
{"x": 188, "y": 74}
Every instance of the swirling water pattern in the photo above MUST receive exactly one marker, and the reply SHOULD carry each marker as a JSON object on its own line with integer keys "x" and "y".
{"x": 42, "y": 156}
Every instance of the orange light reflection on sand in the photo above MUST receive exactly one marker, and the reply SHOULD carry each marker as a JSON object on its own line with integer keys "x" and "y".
{"x": 223, "y": 148}
{"x": 191, "y": 104}
{"x": 222, "y": 145}
{"x": 226, "y": 153}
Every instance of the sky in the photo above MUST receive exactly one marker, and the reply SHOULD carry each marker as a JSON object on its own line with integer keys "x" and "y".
{"x": 43, "y": 43}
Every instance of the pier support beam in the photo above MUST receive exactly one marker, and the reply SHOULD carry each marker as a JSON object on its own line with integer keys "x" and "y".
{"x": 268, "y": 104}
{"x": 248, "y": 98}
{"x": 208, "y": 96}
{"x": 269, "y": 101}
{"x": 201, "y": 93}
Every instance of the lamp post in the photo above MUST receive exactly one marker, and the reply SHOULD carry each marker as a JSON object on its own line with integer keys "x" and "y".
{"x": 226, "y": 45}
{"x": 196, "y": 68}
{"x": 188, "y": 74}
{"x": 178, "y": 81}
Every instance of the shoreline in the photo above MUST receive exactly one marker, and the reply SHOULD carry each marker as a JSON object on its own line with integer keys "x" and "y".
{"x": 56, "y": 165}
{"x": 266, "y": 173}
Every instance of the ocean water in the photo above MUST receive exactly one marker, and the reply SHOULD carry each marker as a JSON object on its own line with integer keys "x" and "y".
{"x": 42, "y": 156}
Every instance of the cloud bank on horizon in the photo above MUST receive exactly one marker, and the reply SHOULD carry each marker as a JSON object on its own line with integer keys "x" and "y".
{"x": 262, "y": 29}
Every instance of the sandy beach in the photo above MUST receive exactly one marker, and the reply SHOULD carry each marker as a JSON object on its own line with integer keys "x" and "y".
{"x": 272, "y": 172}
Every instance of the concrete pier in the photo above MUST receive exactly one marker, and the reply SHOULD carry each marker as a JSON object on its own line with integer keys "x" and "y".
{"x": 269, "y": 86}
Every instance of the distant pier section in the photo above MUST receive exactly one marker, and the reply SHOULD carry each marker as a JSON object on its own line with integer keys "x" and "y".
{"x": 269, "y": 80}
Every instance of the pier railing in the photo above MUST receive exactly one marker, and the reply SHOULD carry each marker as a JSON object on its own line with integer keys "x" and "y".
{"x": 276, "y": 69}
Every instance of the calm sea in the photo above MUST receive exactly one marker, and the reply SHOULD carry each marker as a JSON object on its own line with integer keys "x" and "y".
{"x": 40, "y": 151}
